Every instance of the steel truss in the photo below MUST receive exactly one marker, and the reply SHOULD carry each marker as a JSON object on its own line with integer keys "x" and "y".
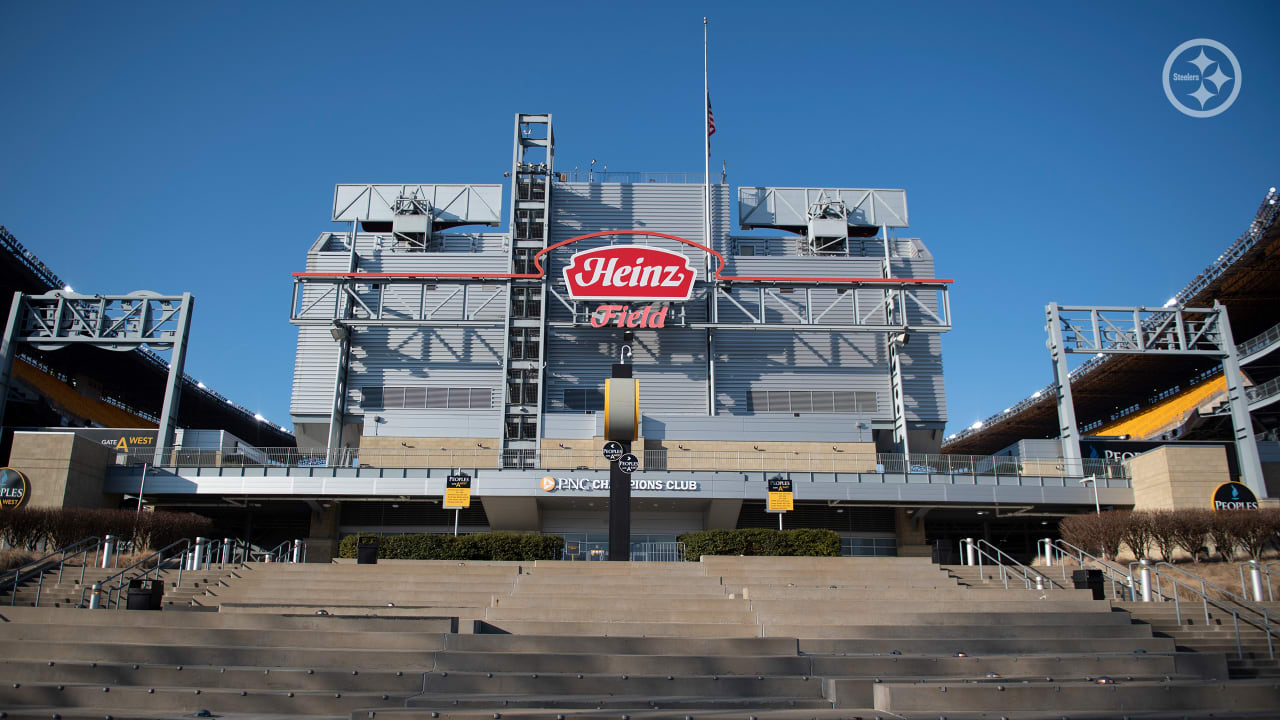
{"x": 113, "y": 322}
{"x": 1150, "y": 331}
{"x": 365, "y": 302}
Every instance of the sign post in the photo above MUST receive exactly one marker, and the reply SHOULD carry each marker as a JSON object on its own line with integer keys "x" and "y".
{"x": 781, "y": 499}
{"x": 457, "y": 495}
{"x": 622, "y": 415}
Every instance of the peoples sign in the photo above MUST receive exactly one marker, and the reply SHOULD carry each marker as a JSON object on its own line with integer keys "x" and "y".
{"x": 629, "y": 272}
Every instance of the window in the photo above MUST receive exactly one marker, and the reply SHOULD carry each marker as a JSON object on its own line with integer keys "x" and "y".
{"x": 584, "y": 399}
{"x": 812, "y": 401}
{"x": 416, "y": 398}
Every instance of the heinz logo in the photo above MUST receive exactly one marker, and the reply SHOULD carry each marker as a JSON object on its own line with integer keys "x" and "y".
{"x": 629, "y": 272}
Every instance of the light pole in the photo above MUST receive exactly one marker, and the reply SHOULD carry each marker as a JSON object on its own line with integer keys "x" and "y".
{"x": 1093, "y": 479}
{"x": 141, "y": 486}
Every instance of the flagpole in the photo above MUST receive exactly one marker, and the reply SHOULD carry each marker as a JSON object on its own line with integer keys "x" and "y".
{"x": 706, "y": 224}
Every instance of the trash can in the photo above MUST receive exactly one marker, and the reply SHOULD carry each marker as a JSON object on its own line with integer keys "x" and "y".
{"x": 942, "y": 552}
{"x": 145, "y": 595}
{"x": 367, "y": 551}
{"x": 1089, "y": 580}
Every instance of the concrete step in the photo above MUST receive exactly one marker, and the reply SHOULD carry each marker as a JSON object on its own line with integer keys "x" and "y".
{"x": 648, "y": 686}
{"x": 186, "y": 700}
{"x": 161, "y": 620}
{"x": 621, "y": 645}
{"x": 624, "y": 629}
{"x": 603, "y": 663}
{"x": 604, "y": 611}
{"x": 1046, "y": 606}
{"x": 188, "y": 637}
{"x": 833, "y": 642}
{"x": 1069, "y": 697}
{"x": 207, "y": 676}
{"x": 694, "y": 603}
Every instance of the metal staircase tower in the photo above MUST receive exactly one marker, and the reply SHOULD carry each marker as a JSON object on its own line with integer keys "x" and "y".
{"x": 531, "y": 174}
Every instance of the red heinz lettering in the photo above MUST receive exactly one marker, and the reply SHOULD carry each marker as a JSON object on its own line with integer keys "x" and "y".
{"x": 629, "y": 272}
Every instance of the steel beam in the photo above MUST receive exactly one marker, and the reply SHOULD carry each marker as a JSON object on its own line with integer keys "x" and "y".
{"x": 173, "y": 383}
{"x": 1241, "y": 421}
{"x": 7, "y": 351}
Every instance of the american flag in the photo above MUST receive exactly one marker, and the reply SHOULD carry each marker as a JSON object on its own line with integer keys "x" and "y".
{"x": 711, "y": 118}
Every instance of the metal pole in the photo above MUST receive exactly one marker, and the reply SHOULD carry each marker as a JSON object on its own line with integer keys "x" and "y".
{"x": 95, "y": 599}
{"x": 971, "y": 552}
{"x": 457, "y": 512}
{"x": 141, "y": 486}
{"x": 108, "y": 542}
{"x": 1255, "y": 579}
{"x": 779, "y": 521}
{"x": 297, "y": 551}
{"x": 1048, "y": 552}
{"x": 1144, "y": 577}
{"x": 226, "y": 550}
{"x": 1067, "y": 427}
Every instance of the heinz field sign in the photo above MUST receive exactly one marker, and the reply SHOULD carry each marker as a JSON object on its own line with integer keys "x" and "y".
{"x": 629, "y": 272}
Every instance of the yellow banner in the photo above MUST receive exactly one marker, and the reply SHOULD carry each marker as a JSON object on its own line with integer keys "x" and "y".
{"x": 457, "y": 497}
{"x": 780, "y": 502}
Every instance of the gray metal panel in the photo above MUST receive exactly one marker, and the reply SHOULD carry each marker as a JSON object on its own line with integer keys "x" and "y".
{"x": 806, "y": 266}
{"x": 481, "y": 204}
{"x": 313, "y": 368}
{"x": 820, "y": 428}
{"x": 670, "y": 365}
{"x": 436, "y": 423}
{"x": 577, "y": 426}
{"x": 583, "y": 208}
{"x": 424, "y": 357}
{"x": 789, "y": 207}
{"x": 747, "y": 360}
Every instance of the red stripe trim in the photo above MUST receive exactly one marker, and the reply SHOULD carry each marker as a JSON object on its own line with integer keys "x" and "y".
{"x": 537, "y": 261}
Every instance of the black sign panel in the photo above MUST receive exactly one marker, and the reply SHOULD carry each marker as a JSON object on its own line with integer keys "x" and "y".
{"x": 628, "y": 463}
{"x": 612, "y": 450}
{"x": 1234, "y": 496}
{"x": 779, "y": 485}
{"x": 458, "y": 481}
{"x": 13, "y": 489}
{"x": 1117, "y": 450}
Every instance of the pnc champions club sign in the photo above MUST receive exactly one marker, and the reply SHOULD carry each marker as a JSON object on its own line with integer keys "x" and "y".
{"x": 14, "y": 489}
{"x": 634, "y": 274}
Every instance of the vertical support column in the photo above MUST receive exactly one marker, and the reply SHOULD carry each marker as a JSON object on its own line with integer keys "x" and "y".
{"x": 173, "y": 384}
{"x": 338, "y": 406}
{"x": 1067, "y": 428}
{"x": 1241, "y": 421}
{"x": 899, "y": 399}
{"x": 7, "y": 351}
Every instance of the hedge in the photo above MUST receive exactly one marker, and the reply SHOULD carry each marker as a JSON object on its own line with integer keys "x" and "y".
{"x": 760, "y": 541}
{"x": 480, "y": 546}
{"x": 31, "y": 528}
{"x": 1166, "y": 531}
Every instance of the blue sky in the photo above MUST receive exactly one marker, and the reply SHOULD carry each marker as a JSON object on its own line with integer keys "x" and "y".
{"x": 183, "y": 147}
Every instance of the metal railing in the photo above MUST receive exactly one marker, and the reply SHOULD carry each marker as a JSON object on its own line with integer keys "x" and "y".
{"x": 1030, "y": 578}
{"x": 1263, "y": 391}
{"x": 122, "y": 579}
{"x": 39, "y": 567}
{"x": 1259, "y": 342}
{"x": 288, "y": 551}
{"x": 658, "y": 552}
{"x": 605, "y": 176}
{"x": 1239, "y": 607}
{"x": 1061, "y": 550}
{"x": 651, "y": 460}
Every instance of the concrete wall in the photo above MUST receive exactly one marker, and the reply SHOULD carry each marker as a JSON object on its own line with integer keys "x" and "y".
{"x": 1177, "y": 477}
{"x": 434, "y": 452}
{"x": 63, "y": 470}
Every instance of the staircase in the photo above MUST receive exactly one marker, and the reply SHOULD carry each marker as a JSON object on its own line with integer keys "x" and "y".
{"x": 723, "y": 637}
{"x": 1218, "y": 635}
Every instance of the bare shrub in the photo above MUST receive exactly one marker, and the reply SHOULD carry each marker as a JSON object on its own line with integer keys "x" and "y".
{"x": 1111, "y": 531}
{"x": 1253, "y": 530}
{"x": 1191, "y": 530}
{"x": 1223, "y": 532}
{"x": 11, "y": 559}
{"x": 1137, "y": 532}
{"x": 1163, "y": 529}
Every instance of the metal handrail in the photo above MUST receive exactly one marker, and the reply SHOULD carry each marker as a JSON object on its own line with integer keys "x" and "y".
{"x": 1028, "y": 575}
{"x": 1265, "y": 569}
{"x": 868, "y": 463}
{"x": 37, "y": 566}
{"x": 1262, "y": 621}
{"x": 1119, "y": 580}
{"x": 160, "y": 560}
